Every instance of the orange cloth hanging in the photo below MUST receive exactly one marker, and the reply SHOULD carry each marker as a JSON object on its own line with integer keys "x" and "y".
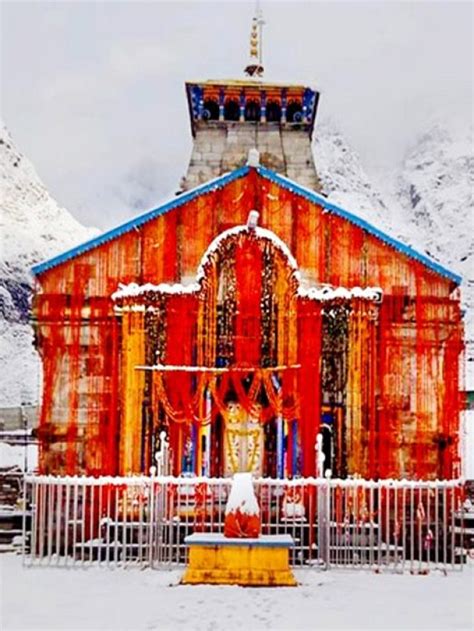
{"x": 248, "y": 273}
{"x": 309, "y": 356}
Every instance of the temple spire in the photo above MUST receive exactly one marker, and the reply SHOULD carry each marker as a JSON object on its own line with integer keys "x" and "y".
{"x": 255, "y": 66}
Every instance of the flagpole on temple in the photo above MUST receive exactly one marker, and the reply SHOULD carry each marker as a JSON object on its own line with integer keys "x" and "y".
{"x": 260, "y": 23}
{"x": 254, "y": 67}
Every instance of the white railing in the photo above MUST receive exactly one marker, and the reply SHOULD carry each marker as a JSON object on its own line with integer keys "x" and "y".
{"x": 142, "y": 521}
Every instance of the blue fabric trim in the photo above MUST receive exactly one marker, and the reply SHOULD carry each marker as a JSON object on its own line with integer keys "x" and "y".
{"x": 361, "y": 223}
{"x": 140, "y": 220}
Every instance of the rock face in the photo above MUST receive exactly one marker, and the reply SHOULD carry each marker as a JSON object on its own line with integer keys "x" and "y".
{"x": 33, "y": 228}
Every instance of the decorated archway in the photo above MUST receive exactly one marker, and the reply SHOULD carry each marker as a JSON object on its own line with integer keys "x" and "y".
{"x": 232, "y": 366}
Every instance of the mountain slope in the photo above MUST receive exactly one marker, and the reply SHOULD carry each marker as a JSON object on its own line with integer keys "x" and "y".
{"x": 33, "y": 228}
{"x": 343, "y": 178}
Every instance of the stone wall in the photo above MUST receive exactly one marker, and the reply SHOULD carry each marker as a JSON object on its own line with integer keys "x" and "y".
{"x": 222, "y": 147}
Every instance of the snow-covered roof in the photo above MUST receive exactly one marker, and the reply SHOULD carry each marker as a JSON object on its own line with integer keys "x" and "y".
{"x": 318, "y": 294}
{"x": 222, "y": 181}
{"x": 260, "y": 233}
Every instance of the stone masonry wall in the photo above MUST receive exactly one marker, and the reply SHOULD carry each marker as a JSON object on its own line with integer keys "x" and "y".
{"x": 223, "y": 147}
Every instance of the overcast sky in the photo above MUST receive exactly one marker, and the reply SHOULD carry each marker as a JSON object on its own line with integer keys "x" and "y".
{"x": 93, "y": 92}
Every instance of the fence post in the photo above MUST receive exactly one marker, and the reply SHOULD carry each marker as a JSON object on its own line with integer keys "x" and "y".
{"x": 162, "y": 456}
{"x": 23, "y": 521}
{"x": 320, "y": 456}
{"x": 151, "y": 515}
{"x": 324, "y": 518}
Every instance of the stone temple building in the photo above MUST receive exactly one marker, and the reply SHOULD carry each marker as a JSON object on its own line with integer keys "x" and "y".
{"x": 246, "y": 316}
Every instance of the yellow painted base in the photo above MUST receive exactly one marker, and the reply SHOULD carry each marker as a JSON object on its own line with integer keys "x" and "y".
{"x": 239, "y": 565}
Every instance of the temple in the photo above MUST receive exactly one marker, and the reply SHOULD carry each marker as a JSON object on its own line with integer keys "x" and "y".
{"x": 246, "y": 316}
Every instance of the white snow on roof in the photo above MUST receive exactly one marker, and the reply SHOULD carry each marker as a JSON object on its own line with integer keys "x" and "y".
{"x": 133, "y": 290}
{"x": 329, "y": 293}
{"x": 24, "y": 457}
{"x": 260, "y": 233}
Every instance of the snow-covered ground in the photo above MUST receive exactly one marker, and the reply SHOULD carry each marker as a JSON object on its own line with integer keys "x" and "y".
{"x": 92, "y": 599}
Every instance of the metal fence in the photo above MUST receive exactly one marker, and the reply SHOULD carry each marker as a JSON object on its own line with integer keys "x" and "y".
{"x": 142, "y": 521}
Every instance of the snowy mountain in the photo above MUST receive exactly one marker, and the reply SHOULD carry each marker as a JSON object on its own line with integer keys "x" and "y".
{"x": 343, "y": 178}
{"x": 33, "y": 228}
{"x": 347, "y": 184}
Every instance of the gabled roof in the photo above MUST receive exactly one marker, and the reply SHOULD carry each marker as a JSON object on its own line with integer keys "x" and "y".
{"x": 222, "y": 181}
{"x": 362, "y": 223}
{"x": 140, "y": 220}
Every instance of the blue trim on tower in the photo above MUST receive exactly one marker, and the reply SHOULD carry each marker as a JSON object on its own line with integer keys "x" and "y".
{"x": 361, "y": 223}
{"x": 140, "y": 220}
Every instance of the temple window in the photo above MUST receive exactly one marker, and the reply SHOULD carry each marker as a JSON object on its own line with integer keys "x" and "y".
{"x": 231, "y": 110}
{"x": 273, "y": 112}
{"x": 210, "y": 110}
{"x": 294, "y": 112}
{"x": 252, "y": 110}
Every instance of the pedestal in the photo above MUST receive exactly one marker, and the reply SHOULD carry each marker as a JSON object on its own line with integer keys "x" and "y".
{"x": 217, "y": 560}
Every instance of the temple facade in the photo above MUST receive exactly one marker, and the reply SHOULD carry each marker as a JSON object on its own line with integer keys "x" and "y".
{"x": 246, "y": 316}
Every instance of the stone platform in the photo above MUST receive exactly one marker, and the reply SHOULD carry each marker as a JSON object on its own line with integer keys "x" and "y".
{"x": 219, "y": 560}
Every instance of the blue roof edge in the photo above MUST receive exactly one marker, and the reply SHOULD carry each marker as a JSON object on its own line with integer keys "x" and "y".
{"x": 222, "y": 181}
{"x": 365, "y": 225}
{"x": 139, "y": 220}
